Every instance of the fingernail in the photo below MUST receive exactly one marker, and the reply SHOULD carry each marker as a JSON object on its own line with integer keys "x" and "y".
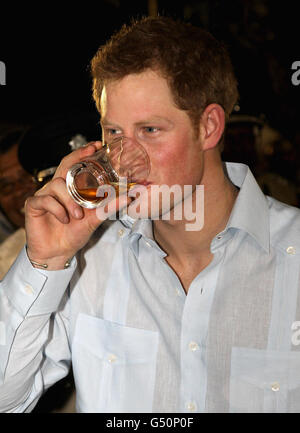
{"x": 78, "y": 213}
{"x": 88, "y": 146}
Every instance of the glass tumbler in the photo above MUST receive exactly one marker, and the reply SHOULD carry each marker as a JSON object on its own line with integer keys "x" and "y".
{"x": 122, "y": 164}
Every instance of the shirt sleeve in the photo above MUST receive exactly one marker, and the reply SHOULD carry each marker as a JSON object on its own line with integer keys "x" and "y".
{"x": 34, "y": 348}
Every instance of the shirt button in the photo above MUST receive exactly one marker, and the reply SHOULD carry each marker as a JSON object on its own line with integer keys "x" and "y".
{"x": 29, "y": 289}
{"x": 177, "y": 291}
{"x": 291, "y": 250}
{"x": 112, "y": 358}
{"x": 193, "y": 346}
{"x": 121, "y": 232}
{"x": 219, "y": 237}
{"x": 275, "y": 386}
{"x": 191, "y": 406}
{"x": 148, "y": 244}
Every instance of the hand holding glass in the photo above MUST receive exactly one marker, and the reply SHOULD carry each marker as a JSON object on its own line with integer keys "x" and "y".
{"x": 124, "y": 159}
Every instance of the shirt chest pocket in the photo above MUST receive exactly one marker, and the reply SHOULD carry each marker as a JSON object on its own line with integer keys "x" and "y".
{"x": 264, "y": 381}
{"x": 114, "y": 366}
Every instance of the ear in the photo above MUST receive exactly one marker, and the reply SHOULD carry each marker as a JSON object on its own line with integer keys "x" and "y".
{"x": 212, "y": 124}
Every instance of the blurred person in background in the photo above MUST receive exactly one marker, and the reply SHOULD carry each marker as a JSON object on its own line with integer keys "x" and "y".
{"x": 28, "y": 159}
{"x": 16, "y": 184}
{"x": 251, "y": 140}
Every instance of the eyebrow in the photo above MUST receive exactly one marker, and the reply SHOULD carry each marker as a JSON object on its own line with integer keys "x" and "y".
{"x": 106, "y": 122}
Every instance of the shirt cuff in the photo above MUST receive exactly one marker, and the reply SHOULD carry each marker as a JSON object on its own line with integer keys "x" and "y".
{"x": 34, "y": 291}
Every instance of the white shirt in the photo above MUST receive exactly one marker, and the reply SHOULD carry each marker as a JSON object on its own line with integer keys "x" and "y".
{"x": 138, "y": 343}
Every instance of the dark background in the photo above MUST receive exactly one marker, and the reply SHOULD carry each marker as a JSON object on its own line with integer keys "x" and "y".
{"x": 47, "y": 47}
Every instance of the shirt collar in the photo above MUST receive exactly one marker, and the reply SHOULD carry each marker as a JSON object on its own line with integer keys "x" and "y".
{"x": 250, "y": 212}
{"x": 141, "y": 228}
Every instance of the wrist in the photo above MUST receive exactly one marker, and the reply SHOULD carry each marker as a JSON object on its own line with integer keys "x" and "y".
{"x": 49, "y": 264}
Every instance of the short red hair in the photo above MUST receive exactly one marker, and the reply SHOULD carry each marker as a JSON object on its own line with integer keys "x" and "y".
{"x": 197, "y": 66}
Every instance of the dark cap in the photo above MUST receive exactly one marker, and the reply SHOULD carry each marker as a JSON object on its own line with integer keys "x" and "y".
{"x": 10, "y": 134}
{"x": 49, "y": 140}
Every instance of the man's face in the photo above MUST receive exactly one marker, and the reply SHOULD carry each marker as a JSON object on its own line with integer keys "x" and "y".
{"x": 15, "y": 186}
{"x": 141, "y": 106}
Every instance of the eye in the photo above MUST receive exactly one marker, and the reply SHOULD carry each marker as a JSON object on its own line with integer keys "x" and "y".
{"x": 113, "y": 131}
{"x": 151, "y": 129}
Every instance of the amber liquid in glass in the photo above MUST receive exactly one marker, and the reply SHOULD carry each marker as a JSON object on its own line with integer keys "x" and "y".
{"x": 91, "y": 193}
